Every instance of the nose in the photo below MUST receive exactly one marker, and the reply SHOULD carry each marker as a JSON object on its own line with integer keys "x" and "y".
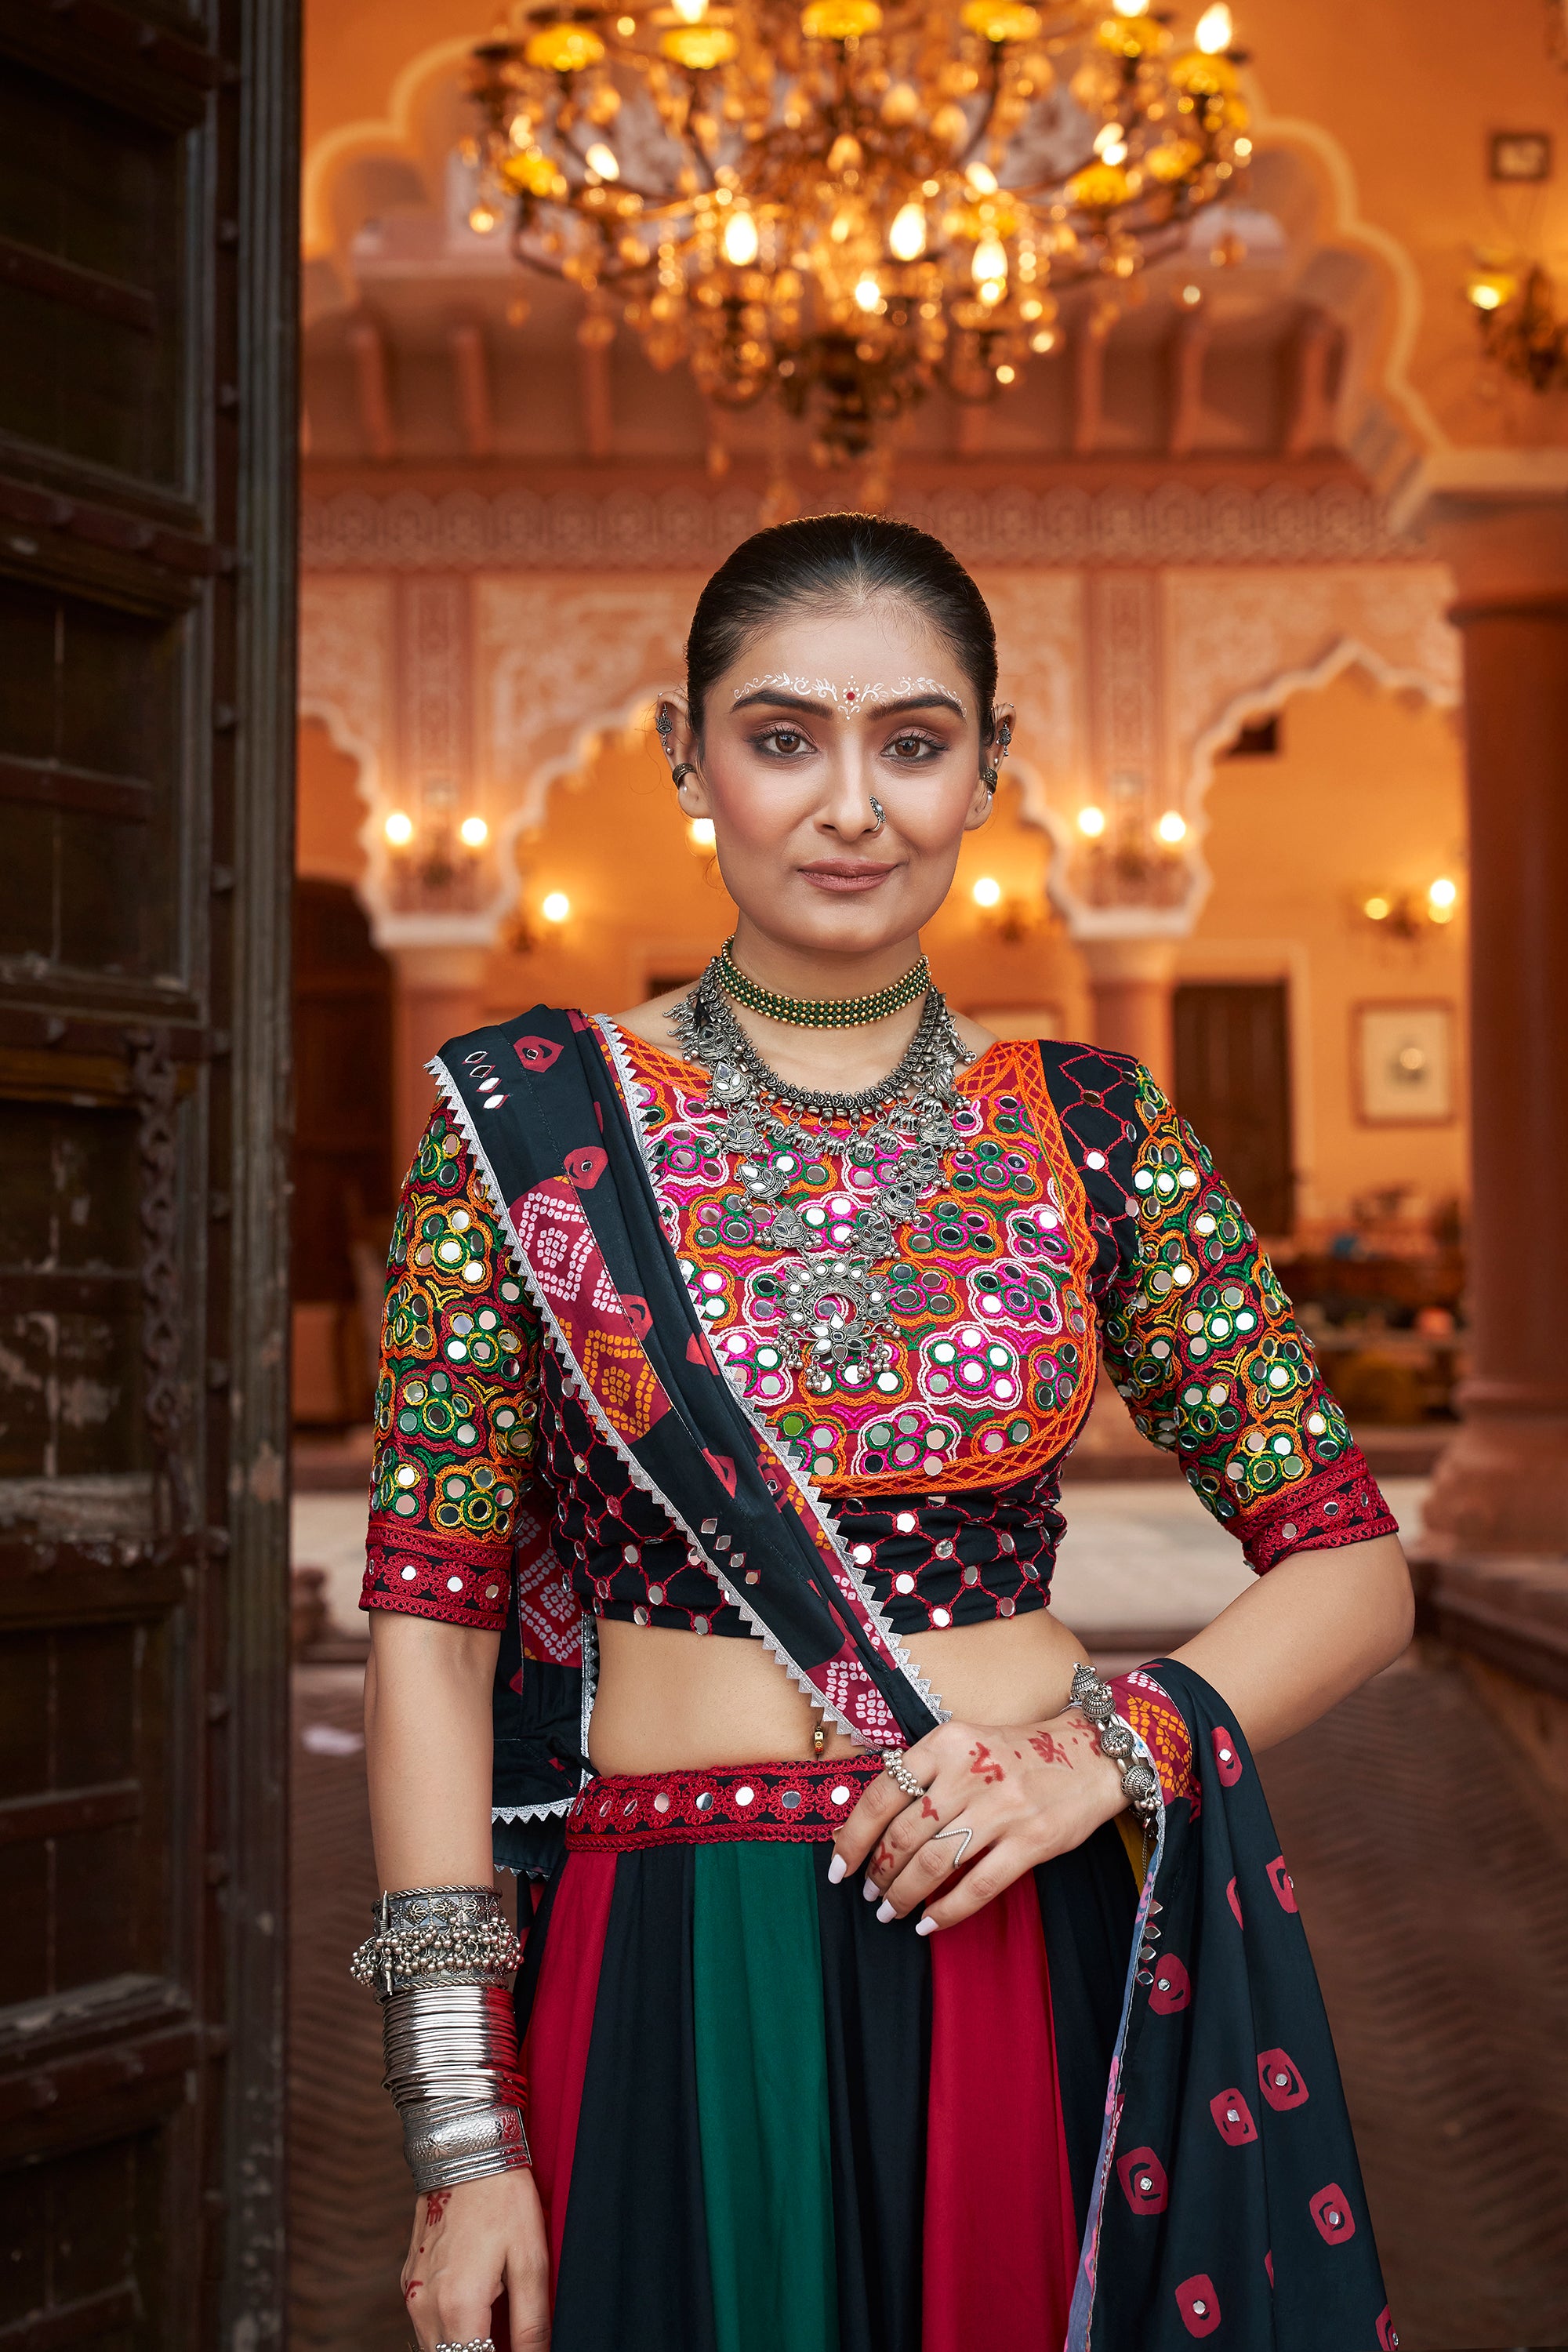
{"x": 848, "y": 808}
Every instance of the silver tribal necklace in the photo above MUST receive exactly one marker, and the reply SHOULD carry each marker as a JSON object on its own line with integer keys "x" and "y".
{"x": 836, "y": 1305}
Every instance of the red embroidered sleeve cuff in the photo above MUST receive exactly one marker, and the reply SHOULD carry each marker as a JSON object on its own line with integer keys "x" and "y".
{"x": 1341, "y": 1504}
{"x": 1160, "y": 1723}
{"x": 418, "y": 1574}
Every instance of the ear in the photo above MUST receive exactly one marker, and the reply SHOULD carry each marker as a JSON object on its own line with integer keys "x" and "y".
{"x": 678, "y": 744}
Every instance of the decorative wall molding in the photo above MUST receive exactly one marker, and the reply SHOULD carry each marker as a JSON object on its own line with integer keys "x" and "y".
{"x": 625, "y": 530}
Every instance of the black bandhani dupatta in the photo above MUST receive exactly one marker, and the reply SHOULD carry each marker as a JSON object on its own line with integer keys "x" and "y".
{"x": 1228, "y": 2199}
{"x": 541, "y": 1109}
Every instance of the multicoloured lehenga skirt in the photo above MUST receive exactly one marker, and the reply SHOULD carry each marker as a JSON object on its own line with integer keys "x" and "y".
{"x": 762, "y": 2121}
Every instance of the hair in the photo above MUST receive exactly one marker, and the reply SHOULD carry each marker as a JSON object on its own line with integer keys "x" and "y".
{"x": 834, "y": 561}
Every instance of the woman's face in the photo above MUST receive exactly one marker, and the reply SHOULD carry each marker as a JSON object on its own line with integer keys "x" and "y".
{"x": 822, "y": 711}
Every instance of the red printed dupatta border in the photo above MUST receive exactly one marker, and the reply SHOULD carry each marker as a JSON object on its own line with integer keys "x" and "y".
{"x": 538, "y": 1106}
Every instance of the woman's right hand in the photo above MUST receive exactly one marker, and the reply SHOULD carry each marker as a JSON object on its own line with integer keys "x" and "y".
{"x": 470, "y": 2246}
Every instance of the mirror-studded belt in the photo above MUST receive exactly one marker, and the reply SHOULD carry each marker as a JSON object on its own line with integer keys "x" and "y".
{"x": 625, "y": 1810}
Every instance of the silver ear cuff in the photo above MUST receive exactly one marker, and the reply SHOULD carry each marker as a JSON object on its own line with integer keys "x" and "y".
{"x": 678, "y": 776}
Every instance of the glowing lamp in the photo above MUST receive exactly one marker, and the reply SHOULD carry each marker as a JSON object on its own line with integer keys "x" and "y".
{"x": 1213, "y": 29}
{"x": 839, "y": 20}
{"x": 399, "y": 829}
{"x": 555, "y": 907}
{"x": 867, "y": 293}
{"x": 986, "y": 891}
{"x": 1092, "y": 823}
{"x": 1001, "y": 20}
{"x": 563, "y": 48}
{"x": 698, "y": 47}
{"x": 906, "y": 236}
{"x": 473, "y": 833}
{"x": 740, "y": 240}
{"x": 1377, "y": 908}
{"x": 1172, "y": 826}
{"x": 990, "y": 264}
{"x": 603, "y": 160}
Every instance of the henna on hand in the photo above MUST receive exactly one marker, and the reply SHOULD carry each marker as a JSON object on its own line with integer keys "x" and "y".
{"x": 1048, "y": 1749}
{"x": 986, "y": 1765}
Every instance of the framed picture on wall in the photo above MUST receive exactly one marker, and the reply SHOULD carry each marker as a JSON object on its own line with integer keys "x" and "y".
{"x": 1404, "y": 1056}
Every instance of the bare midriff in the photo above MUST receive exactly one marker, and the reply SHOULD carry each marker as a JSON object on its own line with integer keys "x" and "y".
{"x": 669, "y": 1701}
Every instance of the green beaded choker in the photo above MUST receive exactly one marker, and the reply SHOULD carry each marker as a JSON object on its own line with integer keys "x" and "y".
{"x": 822, "y": 1012}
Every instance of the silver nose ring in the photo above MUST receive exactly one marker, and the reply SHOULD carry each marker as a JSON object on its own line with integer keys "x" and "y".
{"x": 879, "y": 812}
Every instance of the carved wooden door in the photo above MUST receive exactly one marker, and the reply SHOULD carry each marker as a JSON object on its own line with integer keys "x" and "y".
{"x": 147, "y": 434}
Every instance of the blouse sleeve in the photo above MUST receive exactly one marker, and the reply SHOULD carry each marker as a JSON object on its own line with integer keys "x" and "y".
{"x": 456, "y": 1402}
{"x": 1200, "y": 1341}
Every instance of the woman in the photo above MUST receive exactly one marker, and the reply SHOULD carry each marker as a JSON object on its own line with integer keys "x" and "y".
{"x": 768, "y": 1313}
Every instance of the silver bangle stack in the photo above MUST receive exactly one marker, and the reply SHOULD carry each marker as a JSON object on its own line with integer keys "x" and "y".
{"x": 439, "y": 1959}
{"x": 1139, "y": 1782}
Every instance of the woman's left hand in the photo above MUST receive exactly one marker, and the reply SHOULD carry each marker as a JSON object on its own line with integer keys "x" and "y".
{"x": 998, "y": 1799}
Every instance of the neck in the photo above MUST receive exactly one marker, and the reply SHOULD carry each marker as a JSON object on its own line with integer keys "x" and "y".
{"x": 813, "y": 972}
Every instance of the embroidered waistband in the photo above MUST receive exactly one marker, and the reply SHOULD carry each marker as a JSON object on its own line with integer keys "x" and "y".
{"x": 626, "y": 1810}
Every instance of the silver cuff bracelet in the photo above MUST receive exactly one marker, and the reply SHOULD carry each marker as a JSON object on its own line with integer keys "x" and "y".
{"x": 1139, "y": 1782}
{"x": 447, "y": 2146}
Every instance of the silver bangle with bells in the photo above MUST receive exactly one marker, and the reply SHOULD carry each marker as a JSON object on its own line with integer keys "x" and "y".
{"x": 1139, "y": 1782}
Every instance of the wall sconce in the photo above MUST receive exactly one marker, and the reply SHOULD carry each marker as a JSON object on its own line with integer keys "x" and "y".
{"x": 1516, "y": 312}
{"x": 430, "y": 859}
{"x": 1007, "y": 919}
{"x": 1407, "y": 914}
{"x": 555, "y": 906}
{"x": 1124, "y": 860}
{"x": 522, "y": 937}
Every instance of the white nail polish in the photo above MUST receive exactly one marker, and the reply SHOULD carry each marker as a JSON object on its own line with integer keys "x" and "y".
{"x": 925, "y": 1927}
{"x": 870, "y": 1890}
{"x": 836, "y": 1869}
{"x": 885, "y": 1912}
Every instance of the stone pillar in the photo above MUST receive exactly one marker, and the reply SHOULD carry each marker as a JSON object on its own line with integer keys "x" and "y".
{"x": 439, "y": 993}
{"x": 1131, "y": 981}
{"x": 1502, "y": 521}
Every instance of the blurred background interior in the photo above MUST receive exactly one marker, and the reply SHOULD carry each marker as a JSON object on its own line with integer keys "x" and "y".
{"x": 1231, "y": 354}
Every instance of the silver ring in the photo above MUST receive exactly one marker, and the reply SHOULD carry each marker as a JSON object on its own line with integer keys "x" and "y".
{"x": 474, "y": 2343}
{"x": 879, "y": 812}
{"x": 899, "y": 1772}
{"x": 937, "y": 1836}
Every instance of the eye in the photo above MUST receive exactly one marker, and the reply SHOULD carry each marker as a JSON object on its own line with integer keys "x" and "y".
{"x": 786, "y": 742}
{"x": 912, "y": 746}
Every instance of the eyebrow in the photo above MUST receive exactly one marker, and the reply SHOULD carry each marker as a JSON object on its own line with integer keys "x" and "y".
{"x": 780, "y": 699}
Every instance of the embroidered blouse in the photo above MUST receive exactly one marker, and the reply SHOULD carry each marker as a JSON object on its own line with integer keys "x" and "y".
{"x": 1080, "y": 1222}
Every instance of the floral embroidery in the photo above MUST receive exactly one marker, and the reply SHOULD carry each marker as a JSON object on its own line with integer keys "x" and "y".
{"x": 997, "y": 1360}
{"x": 456, "y": 1405}
{"x": 1200, "y": 1341}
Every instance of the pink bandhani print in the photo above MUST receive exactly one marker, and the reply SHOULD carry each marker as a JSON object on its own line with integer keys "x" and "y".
{"x": 603, "y": 1338}
{"x": 550, "y": 1616}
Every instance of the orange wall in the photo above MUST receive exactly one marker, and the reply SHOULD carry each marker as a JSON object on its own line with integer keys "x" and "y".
{"x": 1367, "y": 793}
{"x": 329, "y": 811}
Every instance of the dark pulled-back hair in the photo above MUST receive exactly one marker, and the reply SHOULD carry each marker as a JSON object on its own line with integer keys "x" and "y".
{"x": 837, "y": 561}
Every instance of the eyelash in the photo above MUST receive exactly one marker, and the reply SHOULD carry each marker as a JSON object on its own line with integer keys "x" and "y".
{"x": 769, "y": 740}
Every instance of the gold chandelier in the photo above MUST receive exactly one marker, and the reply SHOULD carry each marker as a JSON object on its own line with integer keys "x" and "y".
{"x": 850, "y": 203}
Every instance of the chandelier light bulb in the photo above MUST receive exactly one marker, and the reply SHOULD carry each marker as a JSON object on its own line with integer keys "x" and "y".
{"x": 1045, "y": 340}
{"x": 986, "y": 891}
{"x": 740, "y": 240}
{"x": 1442, "y": 897}
{"x": 1091, "y": 822}
{"x": 982, "y": 179}
{"x": 1171, "y": 827}
{"x": 1213, "y": 29}
{"x": 481, "y": 220}
{"x": 398, "y": 828}
{"x": 1006, "y": 374}
{"x": 690, "y": 12}
{"x": 869, "y": 293}
{"x": 1377, "y": 908}
{"x": 1132, "y": 8}
{"x": 1110, "y": 135}
{"x": 990, "y": 262}
{"x": 556, "y": 906}
{"x": 1192, "y": 295}
{"x": 907, "y": 236}
{"x": 473, "y": 833}
{"x": 603, "y": 160}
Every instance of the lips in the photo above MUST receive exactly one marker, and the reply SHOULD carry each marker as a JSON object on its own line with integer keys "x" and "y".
{"x": 841, "y": 874}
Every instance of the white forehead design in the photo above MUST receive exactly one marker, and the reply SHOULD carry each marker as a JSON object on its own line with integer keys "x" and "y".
{"x": 852, "y": 695}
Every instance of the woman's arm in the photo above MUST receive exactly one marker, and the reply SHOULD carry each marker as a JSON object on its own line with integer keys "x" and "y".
{"x": 427, "y": 1752}
{"x": 1303, "y": 1637}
